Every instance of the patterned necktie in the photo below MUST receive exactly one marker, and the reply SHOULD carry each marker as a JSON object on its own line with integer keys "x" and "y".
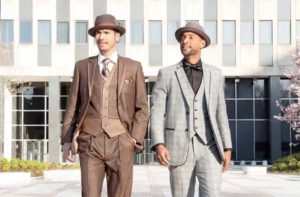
{"x": 105, "y": 70}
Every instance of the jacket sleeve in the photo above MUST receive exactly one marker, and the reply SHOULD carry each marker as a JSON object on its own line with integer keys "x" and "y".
{"x": 158, "y": 110}
{"x": 221, "y": 116}
{"x": 71, "y": 110}
{"x": 141, "y": 115}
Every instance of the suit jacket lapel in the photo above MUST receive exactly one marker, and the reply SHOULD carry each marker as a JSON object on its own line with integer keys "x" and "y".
{"x": 121, "y": 73}
{"x": 207, "y": 84}
{"x": 93, "y": 64}
{"x": 184, "y": 83}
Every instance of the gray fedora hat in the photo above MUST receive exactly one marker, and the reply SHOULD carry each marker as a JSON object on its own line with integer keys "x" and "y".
{"x": 195, "y": 28}
{"x": 106, "y": 21}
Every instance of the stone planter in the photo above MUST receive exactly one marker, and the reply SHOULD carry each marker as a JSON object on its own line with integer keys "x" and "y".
{"x": 14, "y": 178}
{"x": 255, "y": 170}
{"x": 62, "y": 175}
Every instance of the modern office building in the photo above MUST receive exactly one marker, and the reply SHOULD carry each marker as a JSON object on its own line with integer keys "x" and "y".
{"x": 40, "y": 41}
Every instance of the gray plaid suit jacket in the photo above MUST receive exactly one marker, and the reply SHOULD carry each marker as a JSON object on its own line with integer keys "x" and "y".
{"x": 172, "y": 109}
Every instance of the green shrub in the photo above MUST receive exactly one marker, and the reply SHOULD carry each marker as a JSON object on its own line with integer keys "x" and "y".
{"x": 288, "y": 164}
{"x": 35, "y": 168}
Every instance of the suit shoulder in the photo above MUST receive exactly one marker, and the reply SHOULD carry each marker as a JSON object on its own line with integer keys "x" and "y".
{"x": 84, "y": 62}
{"x": 169, "y": 68}
{"x": 213, "y": 68}
{"x": 130, "y": 61}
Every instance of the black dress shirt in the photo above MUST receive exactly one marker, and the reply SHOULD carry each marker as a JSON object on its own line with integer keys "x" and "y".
{"x": 194, "y": 73}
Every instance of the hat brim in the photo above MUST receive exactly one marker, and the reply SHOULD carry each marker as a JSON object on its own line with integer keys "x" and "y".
{"x": 202, "y": 35}
{"x": 119, "y": 29}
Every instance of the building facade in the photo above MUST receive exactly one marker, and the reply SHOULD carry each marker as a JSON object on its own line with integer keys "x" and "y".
{"x": 40, "y": 41}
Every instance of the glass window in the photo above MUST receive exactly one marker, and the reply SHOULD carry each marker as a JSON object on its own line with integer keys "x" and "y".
{"x": 7, "y": 31}
{"x": 245, "y": 140}
{"x": 247, "y": 9}
{"x": 81, "y": 32}
{"x": 44, "y": 28}
{"x": 261, "y": 109}
{"x": 62, "y": 32}
{"x": 261, "y": 88}
{"x": 244, "y": 109}
{"x": 298, "y": 29}
{"x": 210, "y": 9}
{"x": 247, "y": 32}
{"x": 229, "y": 88}
{"x": 34, "y": 117}
{"x": 261, "y": 140}
{"x": 16, "y": 132}
{"x": 137, "y": 32}
{"x": 228, "y": 32}
{"x": 245, "y": 88}
{"x": 172, "y": 27}
{"x": 284, "y": 83}
{"x": 25, "y": 32}
{"x": 284, "y": 32}
{"x": 232, "y": 128}
{"x": 265, "y": 32}
{"x": 210, "y": 27}
{"x": 155, "y": 31}
{"x": 34, "y": 103}
{"x": 230, "y": 106}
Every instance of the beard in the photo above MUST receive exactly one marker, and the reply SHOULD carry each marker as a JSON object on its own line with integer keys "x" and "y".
{"x": 186, "y": 50}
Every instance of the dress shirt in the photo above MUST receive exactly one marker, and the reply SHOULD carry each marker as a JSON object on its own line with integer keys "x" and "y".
{"x": 194, "y": 73}
{"x": 113, "y": 61}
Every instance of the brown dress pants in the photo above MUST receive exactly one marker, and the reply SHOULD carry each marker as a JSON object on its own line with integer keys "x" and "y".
{"x": 102, "y": 156}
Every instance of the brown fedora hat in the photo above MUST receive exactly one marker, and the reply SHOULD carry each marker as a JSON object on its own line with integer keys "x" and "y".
{"x": 195, "y": 28}
{"x": 106, "y": 21}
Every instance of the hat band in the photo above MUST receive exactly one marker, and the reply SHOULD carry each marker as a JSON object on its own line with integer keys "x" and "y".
{"x": 105, "y": 24}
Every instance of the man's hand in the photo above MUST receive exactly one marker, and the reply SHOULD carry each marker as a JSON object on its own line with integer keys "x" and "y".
{"x": 67, "y": 152}
{"x": 163, "y": 155}
{"x": 227, "y": 158}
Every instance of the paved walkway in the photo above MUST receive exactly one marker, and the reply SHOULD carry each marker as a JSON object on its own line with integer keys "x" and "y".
{"x": 153, "y": 181}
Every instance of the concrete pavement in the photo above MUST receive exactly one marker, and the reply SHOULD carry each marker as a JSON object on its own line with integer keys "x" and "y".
{"x": 153, "y": 181}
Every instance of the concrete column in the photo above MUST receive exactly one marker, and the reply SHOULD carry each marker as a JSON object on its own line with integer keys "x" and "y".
{"x": 5, "y": 120}
{"x": 1, "y": 116}
{"x": 54, "y": 120}
{"x": 274, "y": 124}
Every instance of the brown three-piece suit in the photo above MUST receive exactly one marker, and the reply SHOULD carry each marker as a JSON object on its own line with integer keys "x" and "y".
{"x": 106, "y": 114}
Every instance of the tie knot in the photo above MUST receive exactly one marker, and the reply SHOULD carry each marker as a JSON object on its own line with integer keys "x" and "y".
{"x": 106, "y": 61}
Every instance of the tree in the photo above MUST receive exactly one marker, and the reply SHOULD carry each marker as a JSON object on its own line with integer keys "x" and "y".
{"x": 291, "y": 112}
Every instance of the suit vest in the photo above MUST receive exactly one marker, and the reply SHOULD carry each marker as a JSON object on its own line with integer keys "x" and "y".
{"x": 102, "y": 112}
{"x": 201, "y": 124}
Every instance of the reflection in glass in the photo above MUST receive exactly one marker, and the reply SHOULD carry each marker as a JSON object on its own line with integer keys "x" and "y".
{"x": 245, "y": 109}
{"x": 230, "y": 106}
{"x": 284, "y": 83}
{"x": 229, "y": 88}
{"x": 245, "y": 140}
{"x": 34, "y": 132}
{"x": 261, "y": 109}
{"x": 261, "y": 88}
{"x": 245, "y": 88}
{"x": 16, "y": 132}
{"x": 34, "y": 118}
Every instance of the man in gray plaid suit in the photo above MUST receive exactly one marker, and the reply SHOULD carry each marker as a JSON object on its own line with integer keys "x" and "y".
{"x": 189, "y": 123}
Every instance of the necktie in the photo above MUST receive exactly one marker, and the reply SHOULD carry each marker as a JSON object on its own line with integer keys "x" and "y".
{"x": 105, "y": 70}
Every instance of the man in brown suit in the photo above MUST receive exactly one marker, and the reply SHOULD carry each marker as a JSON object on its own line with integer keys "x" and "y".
{"x": 107, "y": 114}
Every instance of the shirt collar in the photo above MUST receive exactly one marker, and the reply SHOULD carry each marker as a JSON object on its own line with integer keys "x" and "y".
{"x": 113, "y": 58}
